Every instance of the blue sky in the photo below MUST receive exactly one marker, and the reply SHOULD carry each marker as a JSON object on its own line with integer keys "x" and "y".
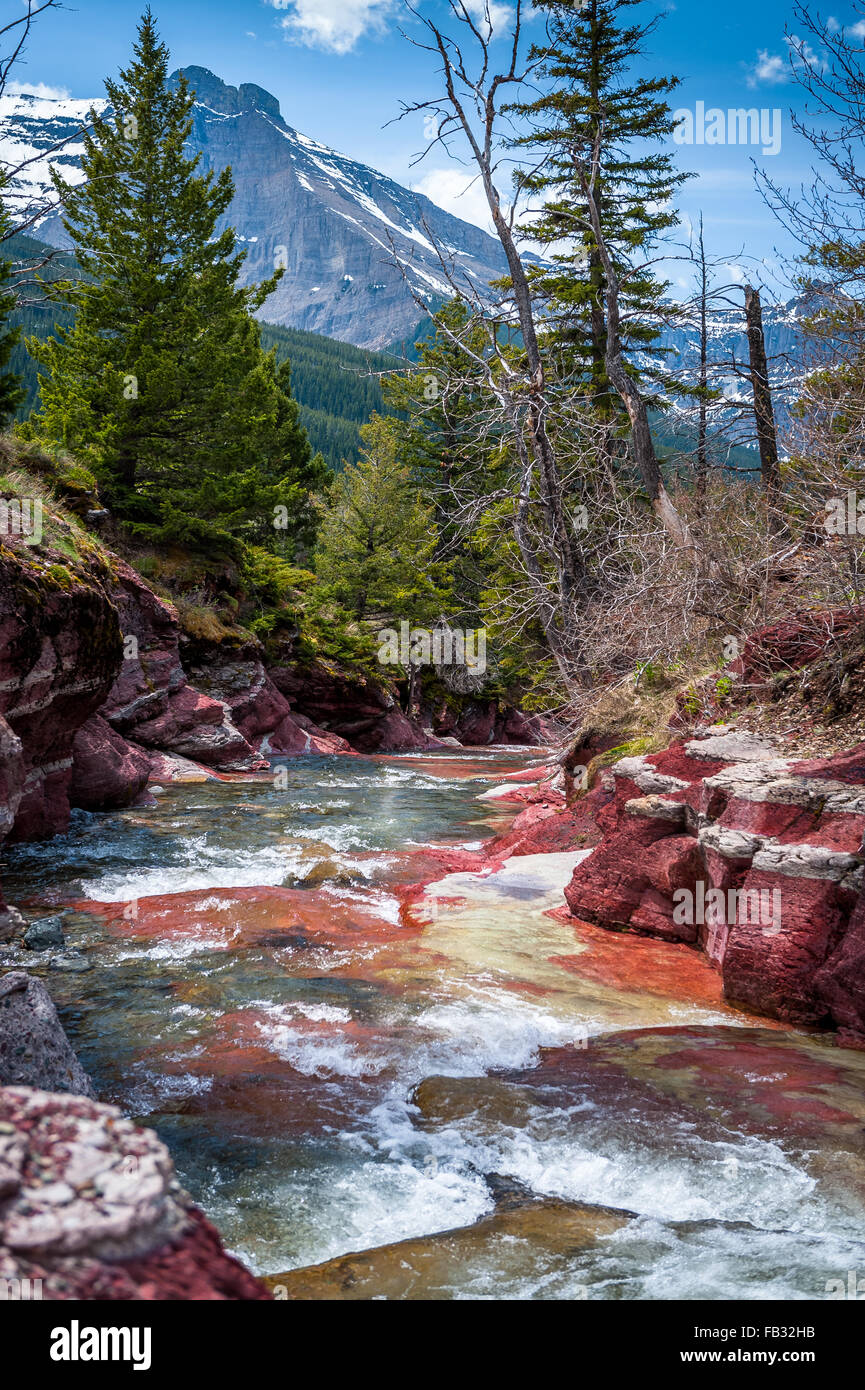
{"x": 340, "y": 68}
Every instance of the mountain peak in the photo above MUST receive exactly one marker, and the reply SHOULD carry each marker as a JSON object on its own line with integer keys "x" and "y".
{"x": 211, "y": 91}
{"x": 362, "y": 254}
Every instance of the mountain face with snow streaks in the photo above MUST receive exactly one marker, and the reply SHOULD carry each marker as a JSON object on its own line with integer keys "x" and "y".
{"x": 364, "y": 258}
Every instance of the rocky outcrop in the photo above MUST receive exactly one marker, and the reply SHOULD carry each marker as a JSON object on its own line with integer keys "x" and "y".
{"x": 60, "y": 650}
{"x": 91, "y": 688}
{"x": 477, "y": 723}
{"x": 152, "y": 702}
{"x": 262, "y": 713}
{"x": 107, "y": 772}
{"x": 356, "y": 708}
{"x": 756, "y": 859}
{"x": 34, "y": 1050}
{"x": 90, "y": 1207}
{"x": 12, "y": 776}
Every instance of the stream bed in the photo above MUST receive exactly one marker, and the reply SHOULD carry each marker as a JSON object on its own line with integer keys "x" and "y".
{"x": 336, "y": 1068}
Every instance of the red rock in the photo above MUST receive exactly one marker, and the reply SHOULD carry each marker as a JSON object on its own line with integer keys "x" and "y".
{"x": 476, "y": 724}
{"x": 194, "y": 1269}
{"x": 106, "y": 771}
{"x": 195, "y": 726}
{"x": 780, "y": 840}
{"x": 534, "y": 730}
{"x": 643, "y": 965}
{"x": 355, "y": 708}
{"x": 770, "y": 969}
{"x": 151, "y": 668}
{"x": 297, "y": 734}
{"x": 791, "y": 644}
{"x": 60, "y": 649}
{"x": 12, "y": 777}
{"x": 839, "y": 984}
{"x": 113, "y": 1223}
{"x": 531, "y": 774}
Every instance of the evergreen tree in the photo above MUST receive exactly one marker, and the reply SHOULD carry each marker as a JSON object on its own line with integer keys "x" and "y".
{"x": 11, "y": 391}
{"x": 161, "y": 384}
{"x": 290, "y": 478}
{"x": 378, "y": 539}
{"x": 452, "y": 438}
{"x": 588, "y": 93}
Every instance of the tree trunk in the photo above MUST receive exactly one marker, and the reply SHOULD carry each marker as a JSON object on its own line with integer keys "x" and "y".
{"x": 764, "y": 413}
{"x": 643, "y": 445}
{"x": 702, "y": 438}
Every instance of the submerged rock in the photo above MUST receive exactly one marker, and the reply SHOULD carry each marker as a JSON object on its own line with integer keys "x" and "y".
{"x": 11, "y": 921}
{"x": 44, "y": 933}
{"x": 74, "y": 961}
{"x": 529, "y": 1240}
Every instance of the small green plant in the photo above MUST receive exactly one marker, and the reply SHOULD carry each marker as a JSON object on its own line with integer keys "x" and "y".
{"x": 692, "y": 704}
{"x": 647, "y": 674}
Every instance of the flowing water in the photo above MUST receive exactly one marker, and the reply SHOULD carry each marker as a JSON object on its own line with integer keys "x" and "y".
{"x": 263, "y": 990}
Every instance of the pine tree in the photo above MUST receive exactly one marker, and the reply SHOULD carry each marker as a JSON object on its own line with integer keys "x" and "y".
{"x": 452, "y": 439}
{"x": 11, "y": 391}
{"x": 161, "y": 384}
{"x": 587, "y": 91}
{"x": 290, "y": 477}
{"x": 377, "y": 542}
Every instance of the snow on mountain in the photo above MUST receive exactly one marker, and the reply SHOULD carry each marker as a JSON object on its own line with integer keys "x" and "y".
{"x": 356, "y": 246}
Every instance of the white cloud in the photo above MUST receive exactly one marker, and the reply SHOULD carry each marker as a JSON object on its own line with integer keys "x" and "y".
{"x": 456, "y": 191}
{"x": 334, "y": 25}
{"x": 37, "y": 89}
{"x": 483, "y": 11}
{"x": 772, "y": 68}
{"x": 802, "y": 51}
{"x": 769, "y": 69}
{"x": 338, "y": 25}
{"x": 857, "y": 29}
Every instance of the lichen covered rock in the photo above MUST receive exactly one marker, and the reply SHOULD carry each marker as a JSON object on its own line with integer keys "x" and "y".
{"x": 91, "y": 1207}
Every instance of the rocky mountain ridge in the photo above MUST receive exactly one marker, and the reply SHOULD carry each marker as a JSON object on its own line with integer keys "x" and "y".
{"x": 358, "y": 249}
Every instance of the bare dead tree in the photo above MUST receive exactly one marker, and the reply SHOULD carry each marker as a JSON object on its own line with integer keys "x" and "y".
{"x": 13, "y": 42}
{"x": 15, "y": 33}
{"x": 471, "y": 105}
{"x": 764, "y": 413}
{"x": 703, "y": 379}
